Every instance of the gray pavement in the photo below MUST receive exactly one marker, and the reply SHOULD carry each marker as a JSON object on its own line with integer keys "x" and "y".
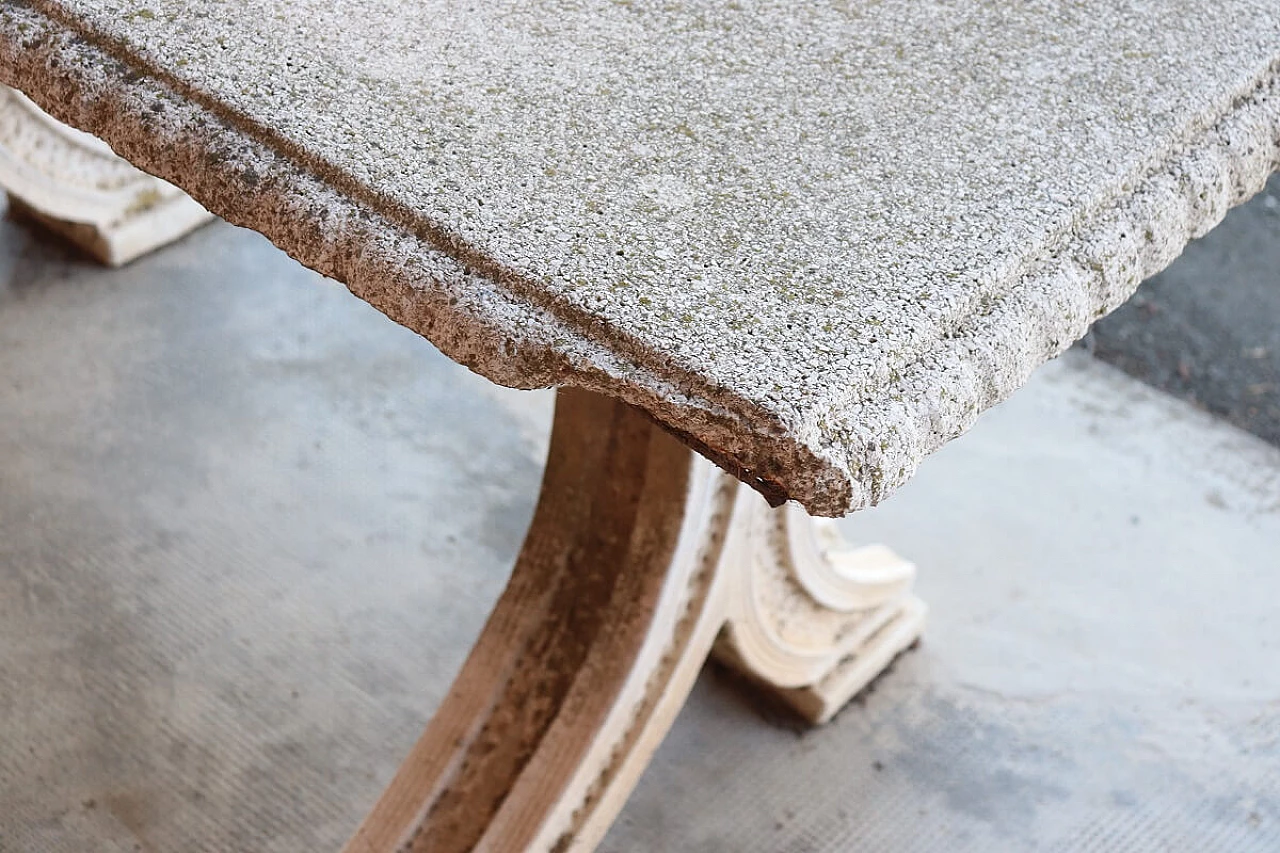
{"x": 1207, "y": 329}
{"x": 248, "y": 528}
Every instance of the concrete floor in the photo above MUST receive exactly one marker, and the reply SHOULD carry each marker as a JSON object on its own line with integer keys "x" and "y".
{"x": 1207, "y": 329}
{"x": 248, "y": 528}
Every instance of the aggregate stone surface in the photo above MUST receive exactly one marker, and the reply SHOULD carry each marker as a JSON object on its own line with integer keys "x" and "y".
{"x": 818, "y": 239}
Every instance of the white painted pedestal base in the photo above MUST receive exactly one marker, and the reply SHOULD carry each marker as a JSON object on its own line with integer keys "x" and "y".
{"x": 75, "y": 185}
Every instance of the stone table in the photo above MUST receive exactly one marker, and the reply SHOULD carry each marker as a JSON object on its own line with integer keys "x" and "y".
{"x": 812, "y": 243}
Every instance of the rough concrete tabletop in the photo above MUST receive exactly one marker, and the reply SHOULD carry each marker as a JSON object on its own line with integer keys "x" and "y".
{"x": 816, "y": 239}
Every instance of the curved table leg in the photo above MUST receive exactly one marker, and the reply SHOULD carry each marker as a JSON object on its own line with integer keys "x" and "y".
{"x": 638, "y": 555}
{"x": 75, "y": 185}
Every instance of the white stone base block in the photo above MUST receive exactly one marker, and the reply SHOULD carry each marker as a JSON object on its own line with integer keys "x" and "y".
{"x": 75, "y": 185}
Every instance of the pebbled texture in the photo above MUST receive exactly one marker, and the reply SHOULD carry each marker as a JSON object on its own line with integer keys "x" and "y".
{"x": 817, "y": 240}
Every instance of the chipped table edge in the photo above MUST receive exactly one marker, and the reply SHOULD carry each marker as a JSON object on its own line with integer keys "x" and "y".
{"x": 480, "y": 321}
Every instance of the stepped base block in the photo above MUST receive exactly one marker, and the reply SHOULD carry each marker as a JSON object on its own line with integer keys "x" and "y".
{"x": 74, "y": 185}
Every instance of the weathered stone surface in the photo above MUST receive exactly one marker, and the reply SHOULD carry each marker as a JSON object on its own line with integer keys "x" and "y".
{"x": 816, "y": 238}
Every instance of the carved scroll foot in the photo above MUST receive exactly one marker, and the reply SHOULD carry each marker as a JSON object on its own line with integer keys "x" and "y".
{"x": 74, "y": 185}
{"x": 812, "y": 618}
{"x": 639, "y": 555}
